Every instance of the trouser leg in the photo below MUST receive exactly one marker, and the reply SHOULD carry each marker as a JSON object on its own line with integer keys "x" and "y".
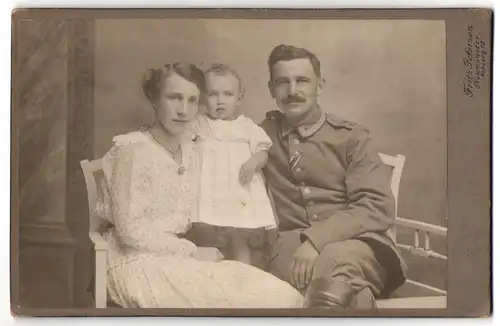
{"x": 280, "y": 259}
{"x": 346, "y": 274}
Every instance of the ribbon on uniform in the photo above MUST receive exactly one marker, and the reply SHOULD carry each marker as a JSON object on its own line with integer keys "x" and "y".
{"x": 294, "y": 160}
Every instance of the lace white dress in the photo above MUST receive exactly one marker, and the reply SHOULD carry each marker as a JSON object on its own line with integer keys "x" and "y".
{"x": 224, "y": 147}
{"x": 149, "y": 200}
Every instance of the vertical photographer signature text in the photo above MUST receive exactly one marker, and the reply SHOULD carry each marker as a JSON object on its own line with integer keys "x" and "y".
{"x": 475, "y": 61}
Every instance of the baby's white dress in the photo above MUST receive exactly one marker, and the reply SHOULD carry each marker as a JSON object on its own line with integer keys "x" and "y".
{"x": 224, "y": 146}
{"x": 150, "y": 201}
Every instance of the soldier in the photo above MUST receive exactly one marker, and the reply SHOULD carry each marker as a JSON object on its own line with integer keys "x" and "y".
{"x": 331, "y": 194}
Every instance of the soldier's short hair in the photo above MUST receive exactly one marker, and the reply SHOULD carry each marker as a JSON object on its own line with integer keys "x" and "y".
{"x": 285, "y": 52}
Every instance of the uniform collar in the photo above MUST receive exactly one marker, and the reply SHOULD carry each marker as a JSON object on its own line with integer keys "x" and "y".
{"x": 308, "y": 128}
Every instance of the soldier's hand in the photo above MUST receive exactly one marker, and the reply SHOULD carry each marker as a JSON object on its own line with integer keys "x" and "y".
{"x": 247, "y": 171}
{"x": 303, "y": 262}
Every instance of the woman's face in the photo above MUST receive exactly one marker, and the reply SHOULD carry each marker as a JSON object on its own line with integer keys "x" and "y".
{"x": 177, "y": 103}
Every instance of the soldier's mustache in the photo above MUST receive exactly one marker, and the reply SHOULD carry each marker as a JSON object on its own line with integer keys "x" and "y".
{"x": 294, "y": 99}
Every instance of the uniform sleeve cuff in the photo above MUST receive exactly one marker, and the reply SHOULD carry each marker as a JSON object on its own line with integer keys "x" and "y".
{"x": 314, "y": 238}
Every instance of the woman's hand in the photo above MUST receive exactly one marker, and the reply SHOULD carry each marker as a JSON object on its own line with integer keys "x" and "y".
{"x": 208, "y": 254}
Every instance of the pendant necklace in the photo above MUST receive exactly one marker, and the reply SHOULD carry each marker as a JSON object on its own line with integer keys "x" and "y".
{"x": 172, "y": 154}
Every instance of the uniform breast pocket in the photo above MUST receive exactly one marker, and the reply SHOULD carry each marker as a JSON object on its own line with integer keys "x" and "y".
{"x": 323, "y": 170}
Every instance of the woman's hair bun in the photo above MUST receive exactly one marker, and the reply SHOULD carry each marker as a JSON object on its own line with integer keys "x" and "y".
{"x": 150, "y": 83}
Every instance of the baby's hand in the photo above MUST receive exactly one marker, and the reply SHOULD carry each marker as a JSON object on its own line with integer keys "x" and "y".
{"x": 247, "y": 171}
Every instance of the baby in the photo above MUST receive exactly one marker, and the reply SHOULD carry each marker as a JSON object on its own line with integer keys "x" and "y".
{"x": 233, "y": 151}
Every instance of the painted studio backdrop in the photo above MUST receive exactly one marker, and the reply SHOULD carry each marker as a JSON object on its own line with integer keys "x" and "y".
{"x": 388, "y": 75}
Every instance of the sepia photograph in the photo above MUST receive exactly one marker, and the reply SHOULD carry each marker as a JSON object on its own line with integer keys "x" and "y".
{"x": 214, "y": 163}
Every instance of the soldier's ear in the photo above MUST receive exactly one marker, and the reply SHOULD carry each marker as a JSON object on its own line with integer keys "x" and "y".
{"x": 241, "y": 95}
{"x": 321, "y": 83}
{"x": 270, "y": 87}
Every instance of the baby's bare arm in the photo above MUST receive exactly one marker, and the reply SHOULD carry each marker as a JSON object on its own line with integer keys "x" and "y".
{"x": 260, "y": 159}
{"x": 254, "y": 164}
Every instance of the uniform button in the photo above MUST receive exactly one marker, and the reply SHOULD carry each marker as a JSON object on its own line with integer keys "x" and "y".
{"x": 307, "y": 190}
{"x": 298, "y": 170}
{"x": 296, "y": 153}
{"x": 315, "y": 217}
{"x": 296, "y": 141}
{"x": 310, "y": 203}
{"x": 302, "y": 183}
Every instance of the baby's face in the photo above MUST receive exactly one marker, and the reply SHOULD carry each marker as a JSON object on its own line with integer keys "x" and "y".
{"x": 223, "y": 95}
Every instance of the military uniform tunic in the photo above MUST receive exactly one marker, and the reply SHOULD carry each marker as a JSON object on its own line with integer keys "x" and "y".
{"x": 328, "y": 185}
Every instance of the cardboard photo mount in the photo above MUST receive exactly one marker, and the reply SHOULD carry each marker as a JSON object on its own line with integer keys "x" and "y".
{"x": 468, "y": 100}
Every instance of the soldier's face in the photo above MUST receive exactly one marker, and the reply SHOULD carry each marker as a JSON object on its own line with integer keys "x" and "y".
{"x": 295, "y": 87}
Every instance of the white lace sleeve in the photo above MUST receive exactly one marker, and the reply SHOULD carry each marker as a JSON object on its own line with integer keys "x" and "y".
{"x": 132, "y": 192}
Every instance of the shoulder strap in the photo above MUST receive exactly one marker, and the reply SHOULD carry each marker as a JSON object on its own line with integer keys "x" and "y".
{"x": 274, "y": 115}
{"x": 338, "y": 122}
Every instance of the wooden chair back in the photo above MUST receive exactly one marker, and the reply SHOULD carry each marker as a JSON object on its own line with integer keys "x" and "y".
{"x": 90, "y": 169}
{"x": 396, "y": 163}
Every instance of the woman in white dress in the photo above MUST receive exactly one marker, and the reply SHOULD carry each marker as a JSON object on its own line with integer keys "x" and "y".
{"x": 148, "y": 194}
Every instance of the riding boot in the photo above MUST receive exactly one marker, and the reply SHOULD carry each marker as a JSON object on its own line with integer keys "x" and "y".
{"x": 364, "y": 299}
{"x": 329, "y": 293}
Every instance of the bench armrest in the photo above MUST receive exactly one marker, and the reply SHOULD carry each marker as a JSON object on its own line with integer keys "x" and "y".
{"x": 99, "y": 242}
{"x": 421, "y": 226}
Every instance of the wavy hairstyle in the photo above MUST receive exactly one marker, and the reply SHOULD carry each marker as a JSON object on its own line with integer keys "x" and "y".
{"x": 154, "y": 78}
